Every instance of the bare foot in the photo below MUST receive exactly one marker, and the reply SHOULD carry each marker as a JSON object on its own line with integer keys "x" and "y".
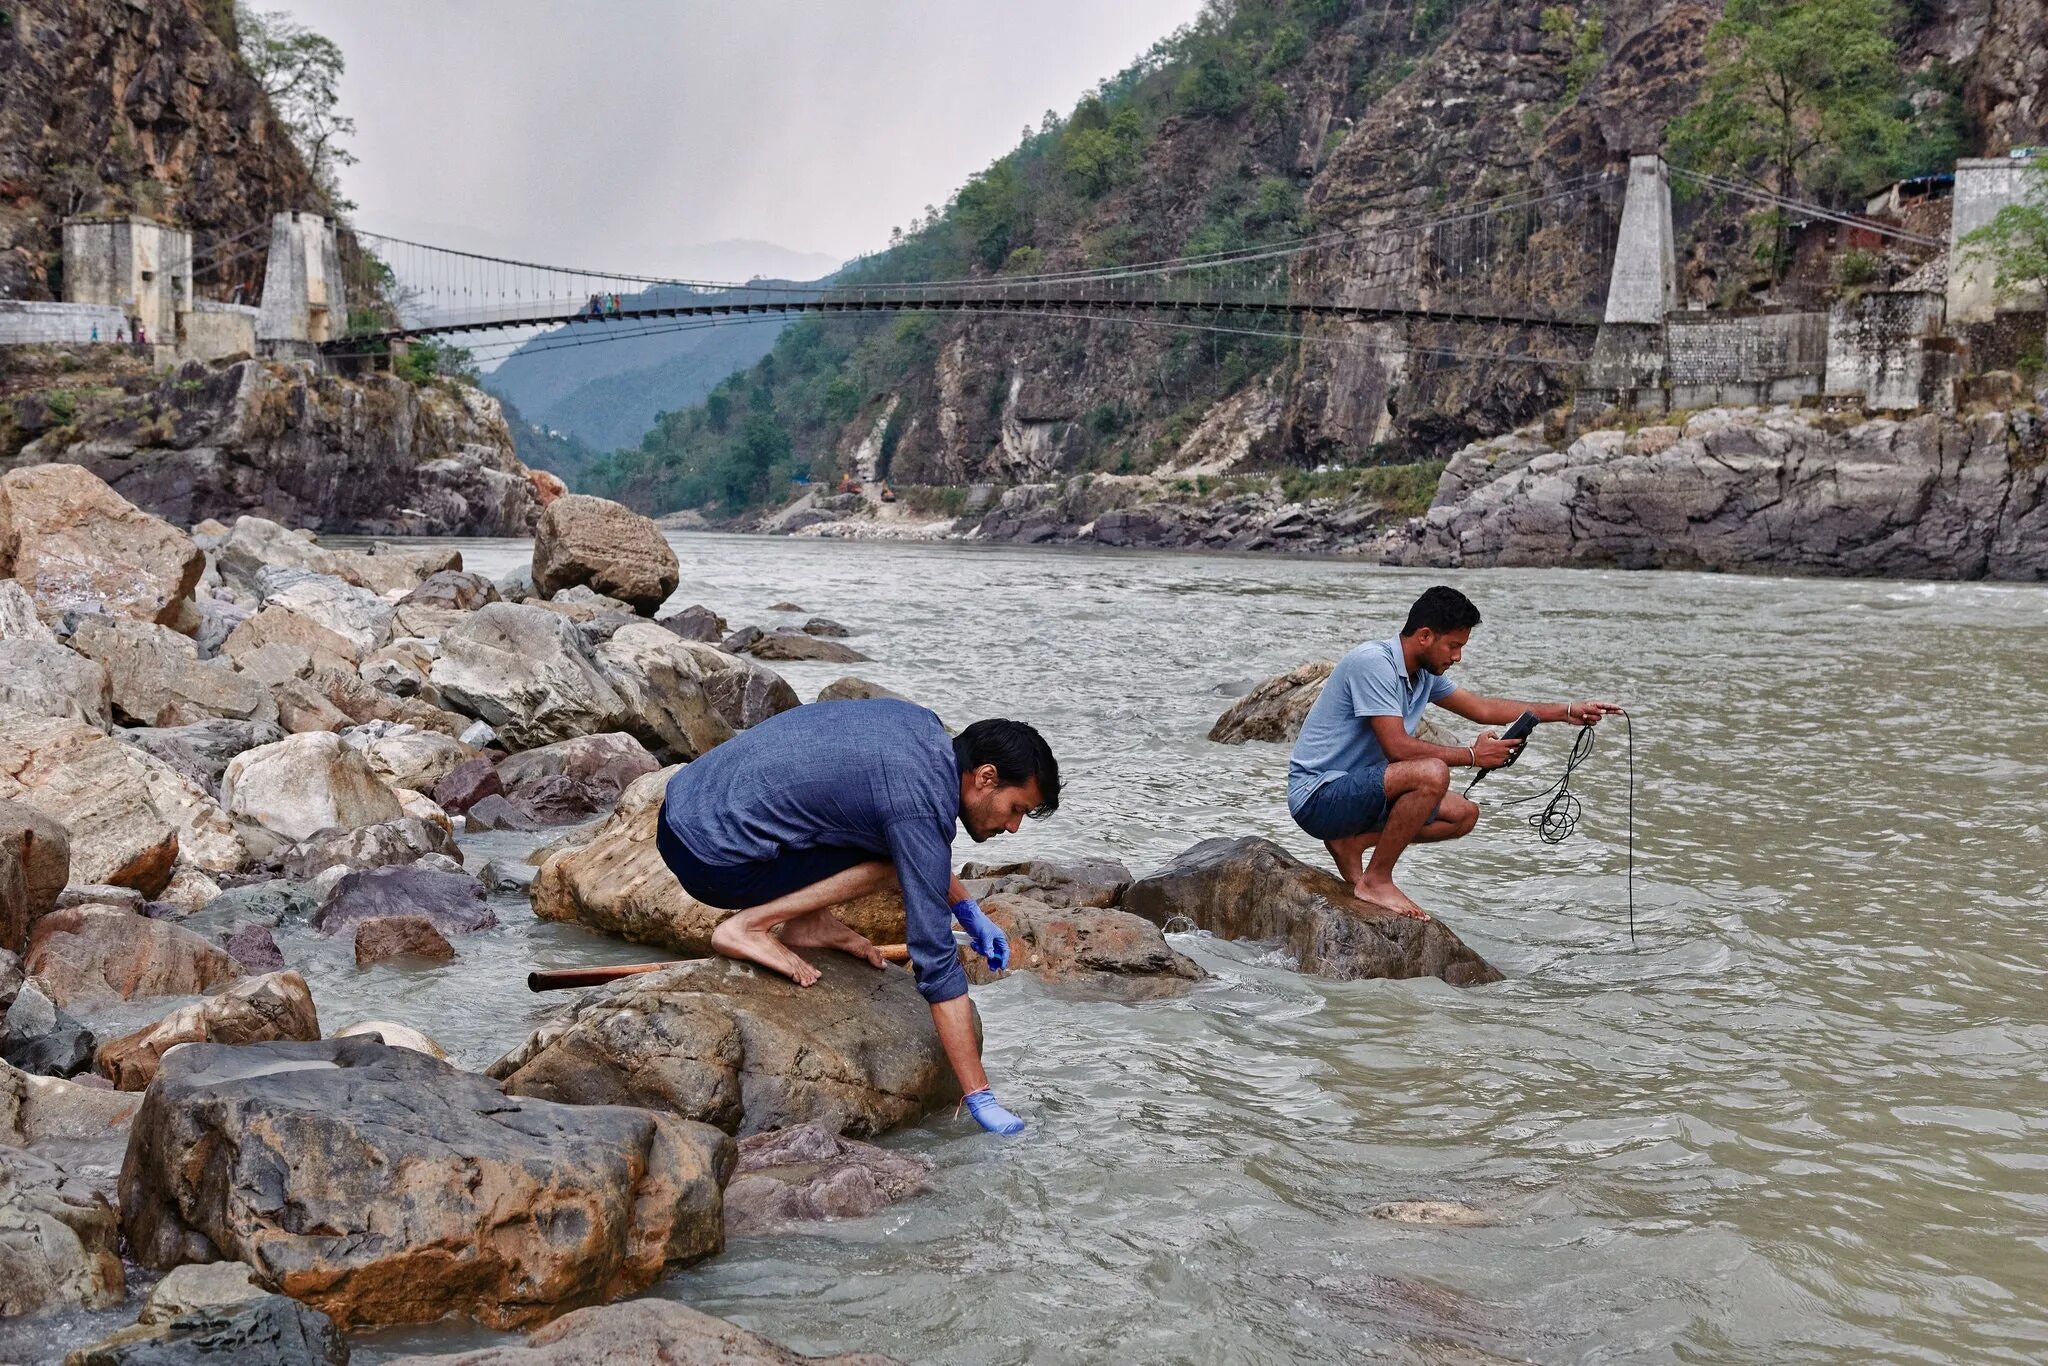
{"x": 758, "y": 946}
{"x": 1384, "y": 894}
{"x": 824, "y": 930}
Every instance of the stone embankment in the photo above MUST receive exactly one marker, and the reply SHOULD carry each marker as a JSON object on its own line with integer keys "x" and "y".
{"x": 221, "y": 747}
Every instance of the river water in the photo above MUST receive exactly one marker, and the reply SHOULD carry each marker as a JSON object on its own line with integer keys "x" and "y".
{"x": 1804, "y": 1116}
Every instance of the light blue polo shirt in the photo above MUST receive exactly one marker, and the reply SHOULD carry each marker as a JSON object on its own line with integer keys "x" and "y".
{"x": 1336, "y": 737}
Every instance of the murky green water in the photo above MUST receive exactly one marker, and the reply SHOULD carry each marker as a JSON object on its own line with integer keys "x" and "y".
{"x": 1805, "y": 1117}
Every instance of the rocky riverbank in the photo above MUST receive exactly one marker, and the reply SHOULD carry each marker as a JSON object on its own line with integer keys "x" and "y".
{"x": 233, "y": 759}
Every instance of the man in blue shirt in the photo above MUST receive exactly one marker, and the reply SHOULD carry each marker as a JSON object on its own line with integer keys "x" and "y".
{"x": 1359, "y": 779}
{"x": 826, "y": 803}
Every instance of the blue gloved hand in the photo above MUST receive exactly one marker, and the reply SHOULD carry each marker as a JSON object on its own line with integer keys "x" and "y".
{"x": 989, "y": 1113}
{"x": 984, "y": 934}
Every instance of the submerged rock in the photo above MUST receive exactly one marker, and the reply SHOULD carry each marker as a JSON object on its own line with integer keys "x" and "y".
{"x": 1105, "y": 950}
{"x": 379, "y": 1185}
{"x": 452, "y": 902}
{"x": 1056, "y": 882}
{"x": 386, "y": 937}
{"x": 648, "y": 1332}
{"x": 788, "y": 645}
{"x": 695, "y": 623}
{"x": 1275, "y": 709}
{"x": 272, "y": 1329}
{"x": 807, "y": 1173}
{"x": 1253, "y": 889}
{"x": 615, "y": 881}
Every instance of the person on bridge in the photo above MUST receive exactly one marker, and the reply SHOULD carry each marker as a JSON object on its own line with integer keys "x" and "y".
{"x": 825, "y": 803}
{"x": 1359, "y": 779}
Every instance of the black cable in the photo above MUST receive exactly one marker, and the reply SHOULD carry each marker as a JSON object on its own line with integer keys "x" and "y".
{"x": 1558, "y": 821}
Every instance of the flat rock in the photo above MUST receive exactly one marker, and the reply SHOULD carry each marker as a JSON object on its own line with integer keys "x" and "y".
{"x": 1107, "y": 951}
{"x": 648, "y": 1332}
{"x": 452, "y": 902}
{"x": 669, "y": 706}
{"x": 287, "y": 1156}
{"x": 92, "y": 954}
{"x": 502, "y": 875}
{"x": 795, "y": 645}
{"x": 59, "y": 1240}
{"x": 254, "y": 644}
{"x": 744, "y": 1049}
{"x": 615, "y": 881}
{"x": 199, "y": 1285}
{"x": 1056, "y": 882}
{"x": 825, "y": 626}
{"x": 385, "y": 937}
{"x": 76, "y": 545}
{"x": 524, "y": 670}
{"x": 156, "y": 676}
{"x": 808, "y": 1173}
{"x": 273, "y": 1329}
{"x": 454, "y": 590}
{"x": 851, "y": 689}
{"x": 1253, "y": 889}
{"x": 609, "y": 547}
{"x": 305, "y": 783}
{"x": 1275, "y": 709}
{"x": 45, "y": 679}
{"x": 253, "y": 1010}
{"x": 498, "y": 813}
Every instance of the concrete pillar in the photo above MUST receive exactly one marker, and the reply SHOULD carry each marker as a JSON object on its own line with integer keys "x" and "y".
{"x": 1984, "y": 185}
{"x": 1644, "y": 284}
{"x": 138, "y": 265}
{"x": 303, "y": 299}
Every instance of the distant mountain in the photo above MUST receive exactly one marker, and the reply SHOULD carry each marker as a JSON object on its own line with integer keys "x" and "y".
{"x": 606, "y": 395}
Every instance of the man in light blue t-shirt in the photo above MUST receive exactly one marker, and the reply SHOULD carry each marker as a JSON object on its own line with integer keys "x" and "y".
{"x": 1359, "y": 778}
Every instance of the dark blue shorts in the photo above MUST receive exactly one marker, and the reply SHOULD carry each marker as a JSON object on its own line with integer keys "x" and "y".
{"x": 736, "y": 887}
{"x": 1347, "y": 805}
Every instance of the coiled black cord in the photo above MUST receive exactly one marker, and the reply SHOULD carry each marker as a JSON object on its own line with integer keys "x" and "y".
{"x": 1558, "y": 820}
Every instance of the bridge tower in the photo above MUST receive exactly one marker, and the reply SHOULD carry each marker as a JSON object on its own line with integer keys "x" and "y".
{"x": 1630, "y": 355}
{"x": 303, "y": 299}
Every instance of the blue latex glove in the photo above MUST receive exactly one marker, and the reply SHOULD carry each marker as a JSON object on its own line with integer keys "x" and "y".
{"x": 989, "y": 1113}
{"x": 984, "y": 934}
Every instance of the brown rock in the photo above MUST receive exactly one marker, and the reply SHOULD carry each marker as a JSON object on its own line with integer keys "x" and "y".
{"x": 1275, "y": 709}
{"x": 1109, "y": 951}
{"x": 852, "y": 689}
{"x": 453, "y": 589}
{"x": 745, "y": 693}
{"x": 76, "y": 545}
{"x": 616, "y": 551}
{"x": 59, "y": 1240}
{"x": 649, "y": 1332}
{"x": 400, "y": 936}
{"x": 382, "y": 1186}
{"x": 157, "y": 678}
{"x": 303, "y": 709}
{"x": 274, "y": 1006}
{"x": 808, "y": 1173}
{"x": 547, "y": 486}
{"x": 617, "y": 883}
{"x": 1253, "y": 889}
{"x": 92, "y": 954}
{"x": 466, "y": 784}
{"x": 35, "y": 865}
{"x": 796, "y": 645}
{"x": 746, "y": 1049}
{"x": 278, "y": 624}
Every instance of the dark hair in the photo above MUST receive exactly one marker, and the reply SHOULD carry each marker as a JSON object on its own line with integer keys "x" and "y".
{"x": 1019, "y": 754}
{"x": 1441, "y": 609}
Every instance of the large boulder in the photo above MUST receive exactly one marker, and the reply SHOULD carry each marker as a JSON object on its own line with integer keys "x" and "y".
{"x": 525, "y": 671}
{"x": 1253, "y": 889}
{"x": 455, "y": 590}
{"x": 257, "y": 543}
{"x": 305, "y": 783}
{"x": 59, "y": 1240}
{"x": 45, "y": 679}
{"x": 253, "y": 1010}
{"x": 380, "y": 1185}
{"x": 278, "y": 625}
{"x": 616, "y": 551}
{"x": 1275, "y": 709}
{"x": 572, "y": 780}
{"x": 130, "y": 815}
{"x": 76, "y": 545}
{"x": 667, "y": 705}
{"x": 1108, "y": 951}
{"x": 647, "y": 1332}
{"x": 35, "y": 865}
{"x": 452, "y": 902}
{"x": 616, "y": 882}
{"x": 808, "y": 1173}
{"x": 745, "y": 693}
{"x": 354, "y": 614}
{"x": 95, "y": 955}
{"x": 18, "y": 619}
{"x": 201, "y": 751}
{"x": 157, "y": 677}
{"x": 745, "y": 1049}
{"x": 400, "y": 755}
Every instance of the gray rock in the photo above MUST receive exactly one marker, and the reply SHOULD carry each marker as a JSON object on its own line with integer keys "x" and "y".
{"x": 43, "y": 1040}
{"x": 695, "y": 623}
{"x": 1275, "y": 709}
{"x": 503, "y": 875}
{"x": 1055, "y": 882}
{"x": 156, "y": 676}
{"x": 642, "y": 1331}
{"x": 273, "y": 1329}
{"x": 100, "y": 894}
{"x": 524, "y": 670}
{"x": 794, "y": 645}
{"x": 59, "y": 1239}
{"x": 269, "y": 904}
{"x": 479, "y": 735}
{"x": 825, "y": 626}
{"x": 662, "y": 677}
{"x": 202, "y": 750}
{"x": 742, "y": 640}
{"x": 254, "y": 948}
{"x": 45, "y": 679}
{"x": 404, "y": 840}
{"x": 454, "y": 902}
{"x": 453, "y": 588}
{"x": 494, "y": 812}
{"x": 807, "y": 1173}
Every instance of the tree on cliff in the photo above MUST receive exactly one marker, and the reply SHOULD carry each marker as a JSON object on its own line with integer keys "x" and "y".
{"x": 2015, "y": 242}
{"x": 300, "y": 71}
{"x": 1802, "y": 94}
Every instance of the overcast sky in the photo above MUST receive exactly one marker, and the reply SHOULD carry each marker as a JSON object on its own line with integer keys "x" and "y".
{"x": 625, "y": 134}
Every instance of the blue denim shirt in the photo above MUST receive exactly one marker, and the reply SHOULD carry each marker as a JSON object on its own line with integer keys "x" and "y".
{"x": 1337, "y": 736}
{"x": 877, "y": 775}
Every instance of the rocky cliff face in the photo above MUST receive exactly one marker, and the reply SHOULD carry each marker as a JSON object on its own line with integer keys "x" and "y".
{"x": 284, "y": 441}
{"x": 131, "y": 106}
{"x": 1781, "y": 491}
